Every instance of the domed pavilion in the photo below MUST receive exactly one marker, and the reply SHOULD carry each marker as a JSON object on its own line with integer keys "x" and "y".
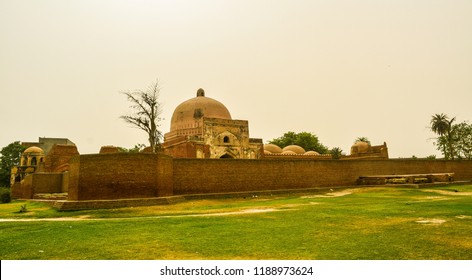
{"x": 202, "y": 127}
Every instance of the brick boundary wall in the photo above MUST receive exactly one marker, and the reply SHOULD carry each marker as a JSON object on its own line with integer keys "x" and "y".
{"x": 193, "y": 176}
{"x": 22, "y": 191}
{"x": 39, "y": 183}
{"x": 126, "y": 176}
{"x": 120, "y": 176}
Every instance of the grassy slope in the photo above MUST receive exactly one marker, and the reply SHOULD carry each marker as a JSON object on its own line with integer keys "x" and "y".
{"x": 366, "y": 224}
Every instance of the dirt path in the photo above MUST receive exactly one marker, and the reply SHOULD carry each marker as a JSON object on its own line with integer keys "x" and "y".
{"x": 333, "y": 194}
{"x": 443, "y": 192}
{"x": 88, "y": 218}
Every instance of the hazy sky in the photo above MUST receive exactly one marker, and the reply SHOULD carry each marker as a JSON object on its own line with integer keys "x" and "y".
{"x": 339, "y": 69}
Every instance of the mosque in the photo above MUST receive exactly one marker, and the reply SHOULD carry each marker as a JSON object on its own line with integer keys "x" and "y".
{"x": 206, "y": 151}
{"x": 202, "y": 127}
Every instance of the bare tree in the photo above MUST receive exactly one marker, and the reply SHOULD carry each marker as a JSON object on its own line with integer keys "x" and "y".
{"x": 146, "y": 113}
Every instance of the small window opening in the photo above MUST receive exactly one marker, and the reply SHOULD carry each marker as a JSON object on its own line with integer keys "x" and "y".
{"x": 226, "y": 139}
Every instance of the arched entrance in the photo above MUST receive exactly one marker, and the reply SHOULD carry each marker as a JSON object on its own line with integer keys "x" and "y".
{"x": 226, "y": 156}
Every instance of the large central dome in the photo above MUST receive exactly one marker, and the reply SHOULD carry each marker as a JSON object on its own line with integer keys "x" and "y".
{"x": 190, "y": 113}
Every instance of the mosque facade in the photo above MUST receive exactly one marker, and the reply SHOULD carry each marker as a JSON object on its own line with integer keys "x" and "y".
{"x": 202, "y": 127}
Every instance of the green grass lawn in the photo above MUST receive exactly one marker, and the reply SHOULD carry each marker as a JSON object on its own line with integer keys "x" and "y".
{"x": 366, "y": 223}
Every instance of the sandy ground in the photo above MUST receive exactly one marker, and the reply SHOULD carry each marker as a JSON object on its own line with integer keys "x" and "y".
{"x": 332, "y": 194}
{"x": 452, "y": 193}
{"x": 431, "y": 221}
{"x": 82, "y": 218}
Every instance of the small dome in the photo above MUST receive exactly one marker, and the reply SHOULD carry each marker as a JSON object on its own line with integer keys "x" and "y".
{"x": 33, "y": 150}
{"x": 294, "y": 148}
{"x": 272, "y": 148}
{"x": 360, "y": 147}
{"x": 311, "y": 153}
{"x": 189, "y": 112}
{"x": 289, "y": 153}
{"x": 267, "y": 152}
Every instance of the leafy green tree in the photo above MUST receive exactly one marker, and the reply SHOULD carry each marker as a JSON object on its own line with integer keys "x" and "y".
{"x": 9, "y": 156}
{"x": 146, "y": 115}
{"x": 460, "y": 140}
{"x": 442, "y": 125}
{"x": 306, "y": 140}
{"x": 463, "y": 140}
{"x": 289, "y": 138}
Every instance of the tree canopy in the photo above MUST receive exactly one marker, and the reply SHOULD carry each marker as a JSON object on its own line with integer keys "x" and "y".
{"x": 146, "y": 113}
{"x": 459, "y": 141}
{"x": 443, "y": 126}
{"x": 306, "y": 140}
{"x": 9, "y": 157}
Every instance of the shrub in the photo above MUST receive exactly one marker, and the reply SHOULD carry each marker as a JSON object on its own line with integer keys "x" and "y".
{"x": 5, "y": 195}
{"x": 23, "y": 209}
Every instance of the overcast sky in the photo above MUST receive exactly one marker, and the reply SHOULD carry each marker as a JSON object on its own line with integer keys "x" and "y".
{"x": 339, "y": 69}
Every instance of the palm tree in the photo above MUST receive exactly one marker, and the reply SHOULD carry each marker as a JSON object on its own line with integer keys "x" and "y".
{"x": 362, "y": 139}
{"x": 441, "y": 125}
{"x": 336, "y": 153}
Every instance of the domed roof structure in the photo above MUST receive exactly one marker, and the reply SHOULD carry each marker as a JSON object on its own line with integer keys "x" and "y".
{"x": 32, "y": 156}
{"x": 202, "y": 127}
{"x": 33, "y": 150}
{"x": 360, "y": 147}
{"x": 190, "y": 112}
{"x": 311, "y": 153}
{"x": 294, "y": 148}
{"x": 272, "y": 148}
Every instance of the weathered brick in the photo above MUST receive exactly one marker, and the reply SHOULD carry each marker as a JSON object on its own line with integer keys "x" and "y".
{"x": 124, "y": 176}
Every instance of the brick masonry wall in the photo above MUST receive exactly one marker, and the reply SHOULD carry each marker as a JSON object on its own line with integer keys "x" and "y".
{"x": 58, "y": 158}
{"x": 74, "y": 176}
{"x": 21, "y": 191}
{"x": 38, "y": 183}
{"x": 182, "y": 150}
{"x": 119, "y": 176}
{"x": 225, "y": 175}
{"x": 47, "y": 183}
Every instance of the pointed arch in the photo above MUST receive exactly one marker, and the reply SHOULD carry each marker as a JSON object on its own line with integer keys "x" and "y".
{"x": 226, "y": 155}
